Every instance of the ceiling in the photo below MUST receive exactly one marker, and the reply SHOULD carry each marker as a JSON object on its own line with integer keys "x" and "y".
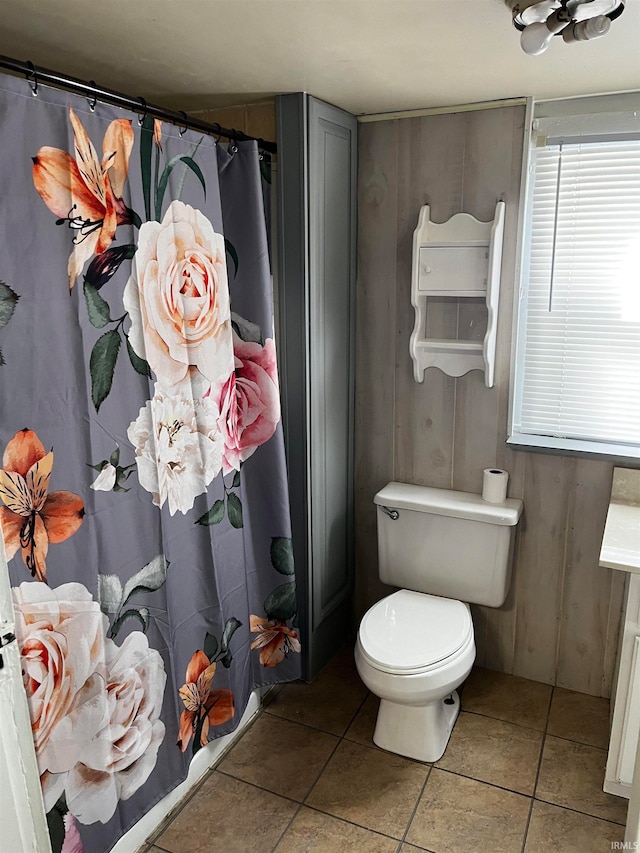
{"x": 366, "y": 56}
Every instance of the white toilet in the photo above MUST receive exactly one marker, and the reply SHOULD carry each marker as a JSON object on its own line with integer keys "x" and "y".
{"x": 416, "y": 646}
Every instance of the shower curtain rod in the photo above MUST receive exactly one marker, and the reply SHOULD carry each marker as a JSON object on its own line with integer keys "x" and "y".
{"x": 93, "y": 92}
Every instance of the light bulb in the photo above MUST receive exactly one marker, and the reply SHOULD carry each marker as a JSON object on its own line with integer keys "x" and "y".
{"x": 592, "y": 28}
{"x": 535, "y": 38}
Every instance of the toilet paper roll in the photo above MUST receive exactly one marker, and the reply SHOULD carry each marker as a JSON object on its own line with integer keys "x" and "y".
{"x": 494, "y": 485}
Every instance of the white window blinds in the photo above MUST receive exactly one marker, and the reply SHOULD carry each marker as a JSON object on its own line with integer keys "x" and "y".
{"x": 578, "y": 372}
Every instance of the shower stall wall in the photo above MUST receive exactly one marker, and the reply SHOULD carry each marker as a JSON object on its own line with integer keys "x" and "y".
{"x": 316, "y": 295}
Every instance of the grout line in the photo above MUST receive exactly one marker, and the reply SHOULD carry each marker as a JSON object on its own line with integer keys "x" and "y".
{"x": 415, "y": 808}
{"x": 355, "y": 714}
{"x": 535, "y": 784}
{"x": 323, "y": 768}
{"x": 352, "y": 823}
{"x": 260, "y": 787}
{"x": 286, "y": 829}
{"x": 501, "y": 720}
{"x": 577, "y": 811}
{"x": 315, "y": 728}
{"x": 483, "y": 782}
{"x": 579, "y": 742}
{"x": 300, "y": 723}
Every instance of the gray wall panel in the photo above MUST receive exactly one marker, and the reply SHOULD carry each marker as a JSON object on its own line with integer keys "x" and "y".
{"x": 317, "y": 173}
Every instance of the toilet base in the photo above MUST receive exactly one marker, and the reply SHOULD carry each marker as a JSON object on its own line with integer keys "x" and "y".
{"x": 419, "y": 732}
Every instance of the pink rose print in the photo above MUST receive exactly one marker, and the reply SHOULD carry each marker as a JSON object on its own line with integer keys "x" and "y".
{"x": 249, "y": 402}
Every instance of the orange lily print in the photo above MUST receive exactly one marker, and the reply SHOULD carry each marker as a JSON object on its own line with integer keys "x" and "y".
{"x": 31, "y": 518}
{"x": 204, "y": 707}
{"x": 274, "y": 640}
{"x": 85, "y": 192}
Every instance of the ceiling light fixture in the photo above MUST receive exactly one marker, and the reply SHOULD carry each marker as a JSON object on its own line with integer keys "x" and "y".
{"x": 574, "y": 20}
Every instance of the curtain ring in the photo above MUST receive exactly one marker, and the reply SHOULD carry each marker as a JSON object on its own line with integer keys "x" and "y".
{"x": 93, "y": 101}
{"x": 233, "y": 148}
{"x": 33, "y": 73}
{"x": 218, "y": 130}
{"x": 184, "y": 129}
{"x": 141, "y": 118}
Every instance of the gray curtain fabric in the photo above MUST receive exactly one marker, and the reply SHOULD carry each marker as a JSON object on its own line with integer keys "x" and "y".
{"x": 143, "y": 491}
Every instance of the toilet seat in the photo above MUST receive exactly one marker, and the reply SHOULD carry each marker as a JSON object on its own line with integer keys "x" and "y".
{"x": 409, "y": 632}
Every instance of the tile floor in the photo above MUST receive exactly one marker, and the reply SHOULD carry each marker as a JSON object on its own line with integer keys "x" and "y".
{"x": 522, "y": 774}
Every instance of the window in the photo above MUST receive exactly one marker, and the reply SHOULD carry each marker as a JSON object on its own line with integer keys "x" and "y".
{"x": 576, "y": 379}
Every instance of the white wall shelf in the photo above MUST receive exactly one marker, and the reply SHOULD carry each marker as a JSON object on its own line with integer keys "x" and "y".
{"x": 460, "y": 258}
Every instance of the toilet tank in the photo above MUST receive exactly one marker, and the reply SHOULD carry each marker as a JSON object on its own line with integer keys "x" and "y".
{"x": 447, "y": 543}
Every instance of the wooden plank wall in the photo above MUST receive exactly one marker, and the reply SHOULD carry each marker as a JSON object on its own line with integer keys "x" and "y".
{"x": 561, "y": 621}
{"x": 256, "y": 119}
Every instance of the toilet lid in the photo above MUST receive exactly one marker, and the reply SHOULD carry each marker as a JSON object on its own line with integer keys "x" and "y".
{"x": 409, "y": 631}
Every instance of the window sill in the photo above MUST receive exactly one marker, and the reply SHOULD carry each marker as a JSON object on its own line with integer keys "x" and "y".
{"x": 623, "y": 453}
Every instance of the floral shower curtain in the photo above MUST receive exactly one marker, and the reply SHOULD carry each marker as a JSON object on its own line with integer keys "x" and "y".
{"x": 143, "y": 494}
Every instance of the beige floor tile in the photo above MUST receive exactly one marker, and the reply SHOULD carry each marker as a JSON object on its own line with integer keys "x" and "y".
{"x": 494, "y": 751}
{"x": 456, "y": 815}
{"x": 571, "y": 775}
{"x": 314, "y": 832}
{"x": 370, "y": 787}
{"x": 556, "y": 830}
{"x": 362, "y": 728}
{"x": 579, "y": 717}
{"x": 507, "y": 697}
{"x": 329, "y": 702}
{"x": 281, "y": 756}
{"x": 228, "y": 816}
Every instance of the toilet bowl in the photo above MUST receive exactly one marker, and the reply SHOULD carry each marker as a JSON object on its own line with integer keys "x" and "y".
{"x": 413, "y": 650}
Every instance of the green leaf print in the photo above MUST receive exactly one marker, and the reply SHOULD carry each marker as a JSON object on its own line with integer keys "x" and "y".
{"x": 245, "y": 329}
{"x": 234, "y": 255}
{"x": 150, "y": 578}
{"x": 281, "y": 603}
{"x": 187, "y": 162}
{"x": 102, "y": 365}
{"x": 282, "y": 555}
{"x": 8, "y": 301}
{"x": 139, "y": 613}
{"x": 55, "y": 824}
{"x": 234, "y": 510}
{"x": 146, "y": 149}
{"x": 213, "y": 515}
{"x": 140, "y": 365}
{"x": 210, "y": 646}
{"x": 230, "y": 628}
{"x": 97, "y": 309}
{"x": 191, "y": 164}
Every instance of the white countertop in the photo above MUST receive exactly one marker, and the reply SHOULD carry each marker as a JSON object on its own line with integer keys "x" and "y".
{"x": 621, "y": 540}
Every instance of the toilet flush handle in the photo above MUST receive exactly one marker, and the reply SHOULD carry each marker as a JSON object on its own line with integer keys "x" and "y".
{"x": 393, "y": 514}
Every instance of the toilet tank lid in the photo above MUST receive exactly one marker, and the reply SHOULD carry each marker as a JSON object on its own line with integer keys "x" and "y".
{"x": 450, "y": 503}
